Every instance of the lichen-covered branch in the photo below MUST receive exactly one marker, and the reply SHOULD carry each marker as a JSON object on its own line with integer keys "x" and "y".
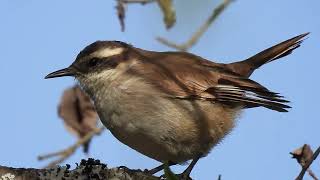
{"x": 88, "y": 169}
{"x": 195, "y": 37}
{"x": 65, "y": 153}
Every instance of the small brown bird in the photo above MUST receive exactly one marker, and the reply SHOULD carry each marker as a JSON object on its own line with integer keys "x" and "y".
{"x": 171, "y": 106}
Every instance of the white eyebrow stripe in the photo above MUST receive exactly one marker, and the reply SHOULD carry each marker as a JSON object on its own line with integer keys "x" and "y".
{"x": 107, "y": 52}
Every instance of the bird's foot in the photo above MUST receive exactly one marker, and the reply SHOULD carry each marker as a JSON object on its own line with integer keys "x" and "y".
{"x": 147, "y": 171}
{"x": 184, "y": 176}
{"x": 129, "y": 170}
{"x": 154, "y": 170}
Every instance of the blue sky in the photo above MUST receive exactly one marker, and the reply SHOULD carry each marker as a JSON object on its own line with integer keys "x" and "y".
{"x": 38, "y": 37}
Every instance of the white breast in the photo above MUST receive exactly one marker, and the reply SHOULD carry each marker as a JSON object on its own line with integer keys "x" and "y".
{"x": 140, "y": 116}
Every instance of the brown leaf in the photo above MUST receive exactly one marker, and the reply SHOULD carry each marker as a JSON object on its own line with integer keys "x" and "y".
{"x": 303, "y": 154}
{"x": 121, "y": 10}
{"x": 168, "y": 11}
{"x": 78, "y": 113}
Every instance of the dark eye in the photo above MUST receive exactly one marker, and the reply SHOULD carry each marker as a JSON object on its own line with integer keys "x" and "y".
{"x": 93, "y": 62}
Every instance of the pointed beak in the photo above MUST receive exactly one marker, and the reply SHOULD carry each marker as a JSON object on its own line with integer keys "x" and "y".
{"x": 62, "y": 72}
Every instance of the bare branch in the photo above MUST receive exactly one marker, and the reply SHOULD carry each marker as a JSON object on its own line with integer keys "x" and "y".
{"x": 311, "y": 173}
{"x": 139, "y": 1}
{"x": 64, "y": 154}
{"x": 307, "y": 165}
{"x": 195, "y": 37}
{"x": 121, "y": 9}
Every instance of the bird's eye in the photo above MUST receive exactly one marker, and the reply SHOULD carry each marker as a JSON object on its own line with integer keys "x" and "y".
{"x": 93, "y": 62}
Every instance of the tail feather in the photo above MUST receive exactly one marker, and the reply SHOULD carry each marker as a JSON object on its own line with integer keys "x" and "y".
{"x": 248, "y": 93}
{"x": 246, "y": 67}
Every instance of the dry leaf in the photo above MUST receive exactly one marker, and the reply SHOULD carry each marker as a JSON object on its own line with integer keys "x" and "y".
{"x": 168, "y": 12}
{"x": 121, "y": 10}
{"x": 78, "y": 113}
{"x": 302, "y": 154}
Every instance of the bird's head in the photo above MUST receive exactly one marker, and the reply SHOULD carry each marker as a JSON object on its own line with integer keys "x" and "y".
{"x": 97, "y": 59}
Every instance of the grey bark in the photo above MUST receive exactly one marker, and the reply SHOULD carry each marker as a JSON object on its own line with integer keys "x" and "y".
{"x": 86, "y": 170}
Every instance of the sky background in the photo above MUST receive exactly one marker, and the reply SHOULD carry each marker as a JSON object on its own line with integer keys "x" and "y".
{"x": 38, "y": 37}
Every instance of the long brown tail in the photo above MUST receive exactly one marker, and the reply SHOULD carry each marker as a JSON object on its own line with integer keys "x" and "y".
{"x": 246, "y": 67}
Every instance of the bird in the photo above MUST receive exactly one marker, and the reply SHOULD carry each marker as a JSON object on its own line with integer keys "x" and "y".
{"x": 172, "y": 106}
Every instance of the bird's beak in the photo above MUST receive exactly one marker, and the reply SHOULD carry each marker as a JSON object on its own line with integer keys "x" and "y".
{"x": 62, "y": 72}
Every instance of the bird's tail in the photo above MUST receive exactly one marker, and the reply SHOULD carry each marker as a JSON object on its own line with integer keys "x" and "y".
{"x": 246, "y": 67}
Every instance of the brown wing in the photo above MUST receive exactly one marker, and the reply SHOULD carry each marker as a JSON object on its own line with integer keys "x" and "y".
{"x": 183, "y": 75}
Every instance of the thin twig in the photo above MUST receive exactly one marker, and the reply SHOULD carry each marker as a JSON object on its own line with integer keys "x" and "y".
{"x": 306, "y": 167}
{"x": 121, "y": 9}
{"x": 139, "y": 1}
{"x": 195, "y": 37}
{"x": 310, "y": 172}
{"x": 65, "y": 153}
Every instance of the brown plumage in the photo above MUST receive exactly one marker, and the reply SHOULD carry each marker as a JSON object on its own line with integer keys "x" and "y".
{"x": 199, "y": 78}
{"x": 171, "y": 106}
{"x": 245, "y": 68}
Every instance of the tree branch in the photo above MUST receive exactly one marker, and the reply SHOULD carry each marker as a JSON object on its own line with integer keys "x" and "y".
{"x": 195, "y": 37}
{"x": 138, "y": 1}
{"x": 65, "y": 153}
{"x": 121, "y": 9}
{"x": 311, "y": 173}
{"x": 90, "y": 169}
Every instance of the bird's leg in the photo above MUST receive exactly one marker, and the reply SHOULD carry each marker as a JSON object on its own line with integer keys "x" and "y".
{"x": 154, "y": 170}
{"x": 158, "y": 168}
{"x": 186, "y": 173}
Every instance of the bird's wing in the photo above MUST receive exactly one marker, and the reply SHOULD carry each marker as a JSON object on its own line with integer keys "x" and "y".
{"x": 180, "y": 76}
